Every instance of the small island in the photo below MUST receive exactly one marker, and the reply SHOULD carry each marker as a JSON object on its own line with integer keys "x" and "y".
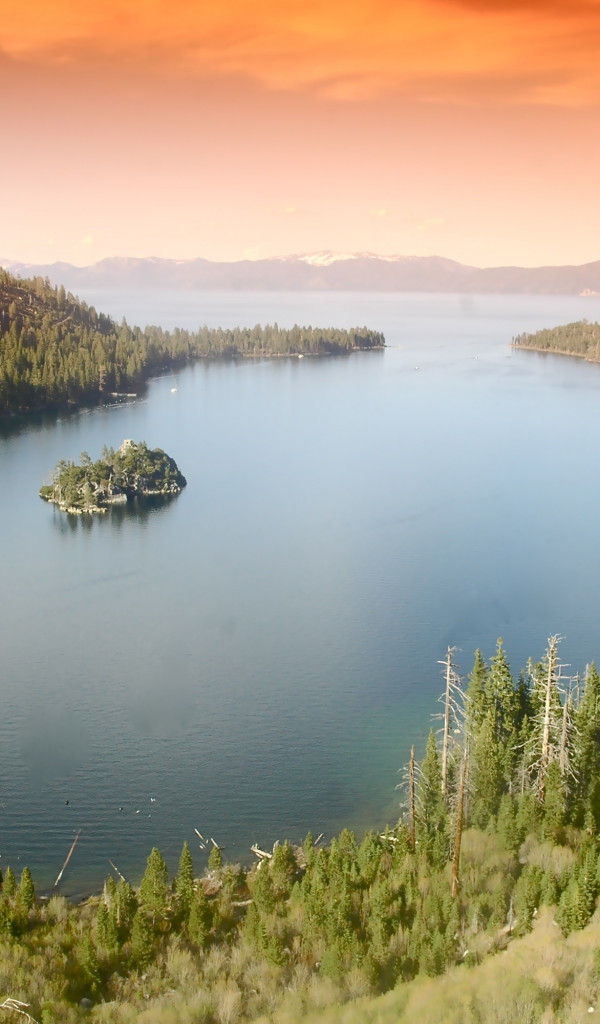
{"x": 132, "y": 471}
{"x": 581, "y": 339}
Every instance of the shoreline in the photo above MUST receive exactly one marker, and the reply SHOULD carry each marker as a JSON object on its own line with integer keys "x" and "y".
{"x": 74, "y": 406}
{"x": 554, "y": 352}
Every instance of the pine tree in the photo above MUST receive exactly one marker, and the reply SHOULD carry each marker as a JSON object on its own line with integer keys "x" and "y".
{"x": 587, "y": 753}
{"x": 528, "y": 815}
{"x": 475, "y": 698}
{"x": 88, "y": 961}
{"x": 141, "y": 940}
{"x": 431, "y": 813}
{"x": 109, "y": 892}
{"x": 262, "y": 889}
{"x": 485, "y": 772}
{"x": 308, "y": 846}
{"x": 200, "y": 919}
{"x": 154, "y": 887}
{"x": 107, "y": 933}
{"x": 500, "y": 691}
{"x": 102, "y": 924}
{"x": 507, "y": 825}
{"x": 6, "y": 916}
{"x": 184, "y": 880}
{"x": 369, "y": 852}
{"x": 215, "y": 859}
{"x": 282, "y": 869}
{"x": 125, "y": 906}
{"x": 527, "y": 894}
{"x": 26, "y": 890}
{"x": 9, "y": 886}
{"x": 587, "y": 875}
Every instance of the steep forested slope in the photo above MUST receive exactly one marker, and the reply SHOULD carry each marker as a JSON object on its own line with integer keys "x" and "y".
{"x": 58, "y": 352}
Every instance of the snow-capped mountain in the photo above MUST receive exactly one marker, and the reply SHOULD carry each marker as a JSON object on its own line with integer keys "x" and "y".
{"x": 319, "y": 271}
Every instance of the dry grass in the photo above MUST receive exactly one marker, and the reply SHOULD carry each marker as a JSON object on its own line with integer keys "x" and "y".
{"x": 556, "y": 859}
{"x": 542, "y": 978}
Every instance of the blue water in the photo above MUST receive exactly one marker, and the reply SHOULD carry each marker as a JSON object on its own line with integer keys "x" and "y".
{"x": 255, "y": 658}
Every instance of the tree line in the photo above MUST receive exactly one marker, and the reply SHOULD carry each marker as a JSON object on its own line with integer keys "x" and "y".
{"x": 581, "y": 338}
{"x": 500, "y": 816}
{"x": 56, "y": 351}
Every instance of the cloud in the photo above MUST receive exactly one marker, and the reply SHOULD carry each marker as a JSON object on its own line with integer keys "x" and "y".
{"x": 574, "y": 9}
{"x": 350, "y": 51}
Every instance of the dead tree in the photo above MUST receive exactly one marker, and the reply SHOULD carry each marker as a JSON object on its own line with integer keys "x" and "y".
{"x": 453, "y": 714}
{"x": 411, "y": 799}
{"x": 550, "y": 683}
{"x": 551, "y": 736}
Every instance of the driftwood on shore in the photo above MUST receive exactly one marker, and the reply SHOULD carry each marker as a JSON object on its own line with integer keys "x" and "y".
{"x": 261, "y": 854}
{"x": 115, "y": 868}
{"x": 68, "y": 858}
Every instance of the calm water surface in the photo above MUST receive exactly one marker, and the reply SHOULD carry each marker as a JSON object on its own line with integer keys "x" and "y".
{"x": 255, "y": 658}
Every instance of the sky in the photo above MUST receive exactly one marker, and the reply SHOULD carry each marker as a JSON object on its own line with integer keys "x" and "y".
{"x": 235, "y": 130}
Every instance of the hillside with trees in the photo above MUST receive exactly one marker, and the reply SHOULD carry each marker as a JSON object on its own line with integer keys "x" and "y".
{"x": 497, "y": 849}
{"x": 57, "y": 352}
{"x": 580, "y": 338}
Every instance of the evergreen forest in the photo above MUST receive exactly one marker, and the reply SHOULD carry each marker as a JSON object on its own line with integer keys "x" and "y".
{"x": 57, "y": 352}
{"x": 496, "y": 851}
{"x": 581, "y": 338}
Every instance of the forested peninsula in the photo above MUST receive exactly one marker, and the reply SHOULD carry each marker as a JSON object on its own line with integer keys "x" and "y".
{"x": 132, "y": 471}
{"x": 57, "y": 352}
{"x": 580, "y": 338}
{"x": 497, "y": 850}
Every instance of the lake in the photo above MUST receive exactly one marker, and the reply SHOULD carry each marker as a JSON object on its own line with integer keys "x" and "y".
{"x": 255, "y": 658}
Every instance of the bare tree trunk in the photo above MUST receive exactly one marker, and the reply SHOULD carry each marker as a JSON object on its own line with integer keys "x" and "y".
{"x": 545, "y": 758}
{"x": 446, "y": 740}
{"x": 564, "y": 735}
{"x": 411, "y": 799}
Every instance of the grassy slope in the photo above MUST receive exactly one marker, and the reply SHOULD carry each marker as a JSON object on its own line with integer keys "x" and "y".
{"x": 542, "y": 978}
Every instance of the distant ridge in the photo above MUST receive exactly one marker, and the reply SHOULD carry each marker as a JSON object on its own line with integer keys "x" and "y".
{"x": 321, "y": 271}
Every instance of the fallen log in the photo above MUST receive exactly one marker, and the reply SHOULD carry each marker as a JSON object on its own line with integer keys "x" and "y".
{"x": 115, "y": 868}
{"x": 261, "y": 854}
{"x": 69, "y": 855}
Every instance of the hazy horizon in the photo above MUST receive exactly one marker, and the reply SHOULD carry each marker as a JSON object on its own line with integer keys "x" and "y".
{"x": 7, "y": 261}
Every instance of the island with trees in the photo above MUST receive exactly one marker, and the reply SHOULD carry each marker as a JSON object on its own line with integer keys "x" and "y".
{"x": 497, "y": 851}
{"x": 132, "y": 471}
{"x": 581, "y": 338}
{"x": 57, "y": 352}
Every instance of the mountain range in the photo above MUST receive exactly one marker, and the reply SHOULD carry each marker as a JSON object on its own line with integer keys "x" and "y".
{"x": 322, "y": 271}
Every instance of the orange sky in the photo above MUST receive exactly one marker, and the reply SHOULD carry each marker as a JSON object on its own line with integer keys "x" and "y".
{"x": 466, "y": 128}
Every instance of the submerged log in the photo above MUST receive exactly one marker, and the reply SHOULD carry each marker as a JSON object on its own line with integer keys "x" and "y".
{"x": 69, "y": 855}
